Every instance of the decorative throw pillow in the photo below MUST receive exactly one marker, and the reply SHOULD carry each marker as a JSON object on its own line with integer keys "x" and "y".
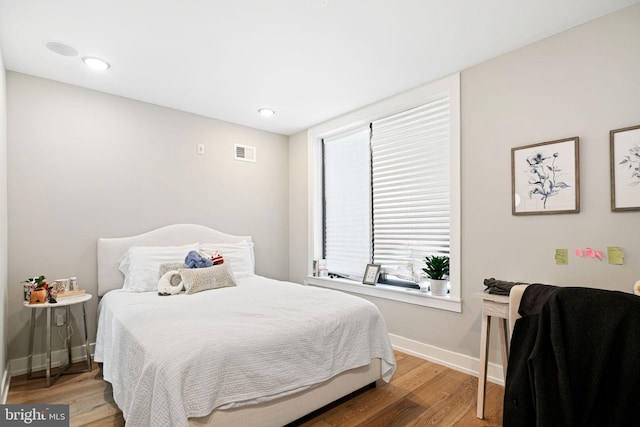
{"x": 202, "y": 279}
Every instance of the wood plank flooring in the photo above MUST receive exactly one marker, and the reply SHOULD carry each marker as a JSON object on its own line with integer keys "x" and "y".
{"x": 420, "y": 393}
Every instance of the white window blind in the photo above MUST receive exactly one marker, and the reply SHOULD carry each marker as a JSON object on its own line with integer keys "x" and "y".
{"x": 410, "y": 185}
{"x": 347, "y": 202}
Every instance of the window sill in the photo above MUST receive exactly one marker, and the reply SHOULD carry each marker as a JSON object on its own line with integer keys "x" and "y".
{"x": 406, "y": 295}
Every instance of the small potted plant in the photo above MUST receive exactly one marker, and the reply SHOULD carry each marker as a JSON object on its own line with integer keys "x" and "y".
{"x": 437, "y": 269}
{"x": 40, "y": 289}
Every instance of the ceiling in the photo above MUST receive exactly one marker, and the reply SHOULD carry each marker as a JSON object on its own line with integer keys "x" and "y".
{"x": 227, "y": 59}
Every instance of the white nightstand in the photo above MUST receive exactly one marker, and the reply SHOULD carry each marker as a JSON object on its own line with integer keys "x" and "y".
{"x": 66, "y": 303}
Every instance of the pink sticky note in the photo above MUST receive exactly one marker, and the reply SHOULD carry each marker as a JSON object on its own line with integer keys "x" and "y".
{"x": 599, "y": 255}
{"x": 589, "y": 252}
{"x": 579, "y": 252}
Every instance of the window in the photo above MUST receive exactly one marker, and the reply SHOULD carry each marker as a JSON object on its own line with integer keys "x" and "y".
{"x": 386, "y": 193}
{"x": 386, "y": 188}
{"x": 347, "y": 200}
{"x": 410, "y": 187}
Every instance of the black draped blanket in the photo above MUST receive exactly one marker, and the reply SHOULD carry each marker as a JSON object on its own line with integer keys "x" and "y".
{"x": 575, "y": 361}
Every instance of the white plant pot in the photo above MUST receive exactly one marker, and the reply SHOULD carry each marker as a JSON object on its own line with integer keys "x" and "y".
{"x": 438, "y": 287}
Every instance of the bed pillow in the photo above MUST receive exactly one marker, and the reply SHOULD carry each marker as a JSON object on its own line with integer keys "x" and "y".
{"x": 203, "y": 279}
{"x": 239, "y": 256}
{"x": 141, "y": 264}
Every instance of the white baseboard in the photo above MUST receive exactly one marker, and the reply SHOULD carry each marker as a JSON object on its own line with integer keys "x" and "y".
{"x": 58, "y": 358}
{"x": 4, "y": 386}
{"x": 450, "y": 359}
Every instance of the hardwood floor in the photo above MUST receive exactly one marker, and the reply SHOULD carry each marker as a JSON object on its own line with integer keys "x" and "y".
{"x": 420, "y": 393}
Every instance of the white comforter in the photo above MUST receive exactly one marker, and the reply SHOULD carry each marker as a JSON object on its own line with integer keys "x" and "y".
{"x": 170, "y": 358}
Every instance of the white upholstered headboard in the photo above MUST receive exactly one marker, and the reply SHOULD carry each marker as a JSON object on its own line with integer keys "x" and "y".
{"x": 110, "y": 250}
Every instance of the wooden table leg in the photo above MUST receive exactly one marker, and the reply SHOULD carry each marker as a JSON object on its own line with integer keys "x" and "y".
{"x": 504, "y": 343}
{"x": 482, "y": 376}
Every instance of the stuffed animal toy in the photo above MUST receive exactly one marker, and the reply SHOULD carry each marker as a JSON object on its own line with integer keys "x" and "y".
{"x": 215, "y": 256}
{"x": 165, "y": 288}
{"x": 195, "y": 260}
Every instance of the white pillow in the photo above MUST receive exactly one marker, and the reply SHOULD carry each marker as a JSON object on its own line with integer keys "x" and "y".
{"x": 238, "y": 255}
{"x": 141, "y": 264}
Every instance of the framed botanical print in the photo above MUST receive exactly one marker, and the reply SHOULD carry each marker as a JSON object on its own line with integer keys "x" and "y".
{"x": 545, "y": 178}
{"x": 624, "y": 147}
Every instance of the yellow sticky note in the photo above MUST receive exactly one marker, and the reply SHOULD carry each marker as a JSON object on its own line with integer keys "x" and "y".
{"x": 562, "y": 256}
{"x": 615, "y": 255}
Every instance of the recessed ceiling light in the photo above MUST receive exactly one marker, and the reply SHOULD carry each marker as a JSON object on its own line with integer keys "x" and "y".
{"x": 96, "y": 63}
{"x": 61, "y": 49}
{"x": 267, "y": 112}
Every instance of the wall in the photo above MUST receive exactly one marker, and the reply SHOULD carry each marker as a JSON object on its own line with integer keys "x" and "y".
{"x": 581, "y": 82}
{"x": 298, "y": 208}
{"x": 84, "y": 165}
{"x": 3, "y": 233}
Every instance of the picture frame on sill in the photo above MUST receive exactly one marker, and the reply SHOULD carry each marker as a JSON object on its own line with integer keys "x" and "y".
{"x": 371, "y": 274}
{"x": 624, "y": 148}
{"x": 545, "y": 178}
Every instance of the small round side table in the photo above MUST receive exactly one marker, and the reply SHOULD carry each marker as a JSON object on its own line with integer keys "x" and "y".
{"x": 66, "y": 303}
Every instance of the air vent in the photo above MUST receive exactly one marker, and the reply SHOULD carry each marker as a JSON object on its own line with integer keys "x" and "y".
{"x": 245, "y": 153}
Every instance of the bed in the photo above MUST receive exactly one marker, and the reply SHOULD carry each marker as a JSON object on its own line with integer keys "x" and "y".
{"x": 263, "y": 352}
